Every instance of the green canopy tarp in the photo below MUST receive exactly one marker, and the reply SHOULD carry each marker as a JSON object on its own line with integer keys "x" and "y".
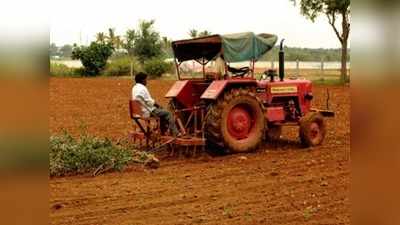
{"x": 232, "y": 47}
{"x": 246, "y": 46}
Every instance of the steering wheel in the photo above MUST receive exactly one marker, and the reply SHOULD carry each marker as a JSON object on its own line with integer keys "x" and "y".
{"x": 239, "y": 72}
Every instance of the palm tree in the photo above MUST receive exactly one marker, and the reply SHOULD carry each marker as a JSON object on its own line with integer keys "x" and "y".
{"x": 166, "y": 45}
{"x": 205, "y": 33}
{"x": 128, "y": 44}
{"x": 147, "y": 41}
{"x": 111, "y": 36}
{"x": 100, "y": 37}
{"x": 193, "y": 33}
{"x": 117, "y": 42}
{"x": 130, "y": 34}
{"x": 145, "y": 27}
{"x": 165, "y": 41}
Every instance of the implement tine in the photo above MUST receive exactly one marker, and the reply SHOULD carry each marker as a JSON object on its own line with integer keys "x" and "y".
{"x": 158, "y": 148}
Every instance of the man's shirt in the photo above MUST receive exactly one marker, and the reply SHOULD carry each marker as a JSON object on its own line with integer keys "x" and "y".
{"x": 140, "y": 92}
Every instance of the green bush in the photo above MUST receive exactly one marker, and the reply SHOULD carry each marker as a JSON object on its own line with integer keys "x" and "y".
{"x": 68, "y": 155}
{"x": 157, "y": 67}
{"x": 86, "y": 154}
{"x": 58, "y": 69}
{"x": 93, "y": 57}
{"x": 121, "y": 66}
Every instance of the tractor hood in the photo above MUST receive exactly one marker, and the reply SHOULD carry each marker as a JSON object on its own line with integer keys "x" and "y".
{"x": 231, "y": 47}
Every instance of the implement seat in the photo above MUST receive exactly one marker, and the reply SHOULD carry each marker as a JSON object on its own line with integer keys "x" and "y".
{"x": 149, "y": 127}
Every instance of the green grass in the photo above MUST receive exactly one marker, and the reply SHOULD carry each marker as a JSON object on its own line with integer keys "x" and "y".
{"x": 61, "y": 70}
{"x": 329, "y": 77}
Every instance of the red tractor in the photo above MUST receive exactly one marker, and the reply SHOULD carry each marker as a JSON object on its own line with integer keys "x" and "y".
{"x": 230, "y": 109}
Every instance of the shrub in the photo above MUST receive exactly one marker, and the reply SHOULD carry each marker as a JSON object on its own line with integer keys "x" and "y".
{"x": 121, "y": 66}
{"x": 157, "y": 67}
{"x": 94, "y": 57}
{"x": 58, "y": 69}
{"x": 89, "y": 154}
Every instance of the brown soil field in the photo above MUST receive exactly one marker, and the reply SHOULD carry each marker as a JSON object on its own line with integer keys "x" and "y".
{"x": 280, "y": 183}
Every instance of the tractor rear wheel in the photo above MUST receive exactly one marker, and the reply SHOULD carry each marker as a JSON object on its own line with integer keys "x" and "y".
{"x": 236, "y": 122}
{"x": 312, "y": 129}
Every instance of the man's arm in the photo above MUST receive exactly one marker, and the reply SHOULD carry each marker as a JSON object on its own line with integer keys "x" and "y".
{"x": 148, "y": 100}
{"x": 140, "y": 98}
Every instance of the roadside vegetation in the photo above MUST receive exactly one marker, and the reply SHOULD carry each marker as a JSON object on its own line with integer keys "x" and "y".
{"x": 140, "y": 49}
{"x": 122, "y": 66}
{"x": 143, "y": 50}
{"x": 305, "y": 54}
{"x": 61, "y": 70}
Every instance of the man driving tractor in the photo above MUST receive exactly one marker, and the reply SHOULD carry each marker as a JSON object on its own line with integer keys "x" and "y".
{"x": 150, "y": 107}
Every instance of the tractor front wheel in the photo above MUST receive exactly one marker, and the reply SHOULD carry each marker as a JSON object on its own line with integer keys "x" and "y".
{"x": 237, "y": 121}
{"x": 312, "y": 129}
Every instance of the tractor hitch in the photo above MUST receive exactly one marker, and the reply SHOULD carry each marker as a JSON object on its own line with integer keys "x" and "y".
{"x": 324, "y": 113}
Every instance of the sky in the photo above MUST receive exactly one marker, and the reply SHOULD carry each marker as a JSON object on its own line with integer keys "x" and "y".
{"x": 75, "y": 21}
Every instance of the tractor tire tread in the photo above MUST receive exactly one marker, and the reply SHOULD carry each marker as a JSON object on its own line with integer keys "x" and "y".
{"x": 213, "y": 131}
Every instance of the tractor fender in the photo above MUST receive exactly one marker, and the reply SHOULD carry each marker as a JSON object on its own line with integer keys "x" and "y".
{"x": 217, "y": 87}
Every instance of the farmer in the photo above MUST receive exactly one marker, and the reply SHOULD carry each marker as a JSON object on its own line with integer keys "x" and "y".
{"x": 220, "y": 66}
{"x": 149, "y": 106}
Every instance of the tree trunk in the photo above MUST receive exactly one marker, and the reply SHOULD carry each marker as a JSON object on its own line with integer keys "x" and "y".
{"x": 343, "y": 74}
{"x": 345, "y": 37}
{"x": 131, "y": 70}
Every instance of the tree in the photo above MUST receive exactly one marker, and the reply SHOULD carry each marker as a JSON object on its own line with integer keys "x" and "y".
{"x": 114, "y": 40}
{"x": 100, "y": 37}
{"x": 66, "y": 51}
{"x": 129, "y": 42}
{"x": 332, "y": 9}
{"x": 165, "y": 42}
{"x": 94, "y": 57}
{"x": 204, "y": 33}
{"x": 166, "y": 46}
{"x": 193, "y": 33}
{"x": 53, "y": 50}
{"x": 117, "y": 42}
{"x": 111, "y": 36}
{"x": 147, "y": 43}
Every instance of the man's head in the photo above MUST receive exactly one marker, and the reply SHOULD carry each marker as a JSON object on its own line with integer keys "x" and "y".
{"x": 141, "y": 78}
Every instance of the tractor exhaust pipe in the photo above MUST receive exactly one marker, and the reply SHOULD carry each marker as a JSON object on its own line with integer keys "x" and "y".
{"x": 281, "y": 62}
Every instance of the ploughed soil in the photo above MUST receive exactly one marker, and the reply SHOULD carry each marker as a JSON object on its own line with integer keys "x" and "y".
{"x": 281, "y": 183}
